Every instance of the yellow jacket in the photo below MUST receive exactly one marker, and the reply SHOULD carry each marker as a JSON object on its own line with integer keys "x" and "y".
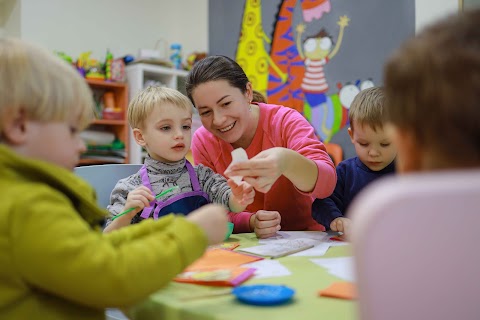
{"x": 55, "y": 263}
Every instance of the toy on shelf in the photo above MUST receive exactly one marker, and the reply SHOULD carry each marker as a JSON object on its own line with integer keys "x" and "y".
{"x": 118, "y": 70}
{"x": 90, "y": 68}
{"x": 194, "y": 58}
{"x": 176, "y": 55}
{"x": 110, "y": 111}
{"x": 65, "y": 57}
{"x": 108, "y": 65}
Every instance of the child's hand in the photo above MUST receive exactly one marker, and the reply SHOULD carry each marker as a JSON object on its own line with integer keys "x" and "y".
{"x": 341, "y": 225}
{"x": 244, "y": 193}
{"x": 212, "y": 218}
{"x": 138, "y": 199}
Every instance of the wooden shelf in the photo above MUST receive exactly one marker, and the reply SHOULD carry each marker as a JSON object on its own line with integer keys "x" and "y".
{"x": 109, "y": 122}
{"x": 119, "y": 128}
{"x": 106, "y": 84}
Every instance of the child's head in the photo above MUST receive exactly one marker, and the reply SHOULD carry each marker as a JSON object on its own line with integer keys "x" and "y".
{"x": 372, "y": 144}
{"x": 44, "y": 104}
{"x": 318, "y": 46}
{"x": 433, "y": 96}
{"x": 161, "y": 119}
{"x": 257, "y": 96}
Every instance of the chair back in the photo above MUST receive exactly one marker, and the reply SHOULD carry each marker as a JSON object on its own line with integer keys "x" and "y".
{"x": 104, "y": 177}
{"x": 335, "y": 152}
{"x": 416, "y": 247}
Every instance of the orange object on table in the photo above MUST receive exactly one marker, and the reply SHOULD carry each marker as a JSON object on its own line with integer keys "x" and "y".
{"x": 221, "y": 258}
{"x": 341, "y": 290}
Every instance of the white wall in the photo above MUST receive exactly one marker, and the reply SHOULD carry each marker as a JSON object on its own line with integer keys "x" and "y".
{"x": 427, "y": 11}
{"x": 123, "y": 26}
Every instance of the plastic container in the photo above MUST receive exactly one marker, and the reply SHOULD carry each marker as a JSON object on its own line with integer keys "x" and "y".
{"x": 229, "y": 230}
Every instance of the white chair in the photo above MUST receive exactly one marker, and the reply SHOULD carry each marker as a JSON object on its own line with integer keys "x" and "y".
{"x": 416, "y": 247}
{"x": 104, "y": 178}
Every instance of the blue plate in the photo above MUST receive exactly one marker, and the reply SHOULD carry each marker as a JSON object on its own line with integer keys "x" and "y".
{"x": 263, "y": 295}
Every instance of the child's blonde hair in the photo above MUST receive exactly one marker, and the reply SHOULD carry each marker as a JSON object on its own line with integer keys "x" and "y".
{"x": 367, "y": 108}
{"x": 143, "y": 103}
{"x": 42, "y": 85}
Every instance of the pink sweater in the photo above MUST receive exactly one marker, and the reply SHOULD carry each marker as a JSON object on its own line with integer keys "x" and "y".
{"x": 278, "y": 126}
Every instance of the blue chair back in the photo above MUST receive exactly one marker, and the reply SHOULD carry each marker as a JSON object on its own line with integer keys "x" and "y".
{"x": 104, "y": 177}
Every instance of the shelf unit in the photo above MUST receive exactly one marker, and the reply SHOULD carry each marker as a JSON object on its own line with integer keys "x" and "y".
{"x": 118, "y": 127}
{"x": 137, "y": 75}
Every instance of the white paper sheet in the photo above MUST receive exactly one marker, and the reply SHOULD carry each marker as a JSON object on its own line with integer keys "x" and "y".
{"x": 321, "y": 246}
{"x": 268, "y": 269}
{"x": 238, "y": 155}
{"x": 290, "y": 235}
{"x": 342, "y": 268}
{"x": 318, "y": 251}
{"x": 281, "y": 248}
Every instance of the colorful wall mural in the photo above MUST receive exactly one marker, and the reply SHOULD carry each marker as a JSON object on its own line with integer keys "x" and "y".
{"x": 289, "y": 51}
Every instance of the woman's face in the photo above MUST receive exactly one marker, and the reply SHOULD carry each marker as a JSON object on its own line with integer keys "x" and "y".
{"x": 224, "y": 110}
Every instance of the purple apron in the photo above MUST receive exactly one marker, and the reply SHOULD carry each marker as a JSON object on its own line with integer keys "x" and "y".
{"x": 182, "y": 203}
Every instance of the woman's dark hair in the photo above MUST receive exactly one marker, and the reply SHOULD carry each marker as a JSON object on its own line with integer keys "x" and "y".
{"x": 214, "y": 68}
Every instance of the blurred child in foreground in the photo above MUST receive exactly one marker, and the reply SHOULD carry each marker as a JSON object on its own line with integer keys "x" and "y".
{"x": 56, "y": 262}
{"x": 432, "y": 86}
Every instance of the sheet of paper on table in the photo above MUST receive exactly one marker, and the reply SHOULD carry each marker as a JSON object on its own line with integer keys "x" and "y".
{"x": 280, "y": 249}
{"x": 321, "y": 246}
{"x": 290, "y": 235}
{"x": 268, "y": 269}
{"x": 339, "y": 267}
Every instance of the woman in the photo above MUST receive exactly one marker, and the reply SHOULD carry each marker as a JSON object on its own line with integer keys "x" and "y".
{"x": 288, "y": 165}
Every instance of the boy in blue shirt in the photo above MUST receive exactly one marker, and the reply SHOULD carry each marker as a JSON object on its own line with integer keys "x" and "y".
{"x": 375, "y": 158}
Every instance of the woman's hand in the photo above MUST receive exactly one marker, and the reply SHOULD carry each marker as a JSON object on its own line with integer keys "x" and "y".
{"x": 262, "y": 170}
{"x": 266, "y": 167}
{"x": 265, "y": 223}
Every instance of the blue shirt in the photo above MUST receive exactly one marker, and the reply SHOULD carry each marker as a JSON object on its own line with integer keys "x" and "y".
{"x": 352, "y": 177}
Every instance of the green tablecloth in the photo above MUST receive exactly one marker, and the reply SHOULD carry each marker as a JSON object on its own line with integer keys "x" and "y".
{"x": 307, "y": 279}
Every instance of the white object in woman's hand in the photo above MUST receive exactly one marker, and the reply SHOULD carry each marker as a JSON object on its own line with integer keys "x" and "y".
{"x": 238, "y": 155}
{"x": 260, "y": 171}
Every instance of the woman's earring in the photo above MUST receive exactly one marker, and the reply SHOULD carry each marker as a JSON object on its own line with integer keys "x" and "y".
{"x": 250, "y": 106}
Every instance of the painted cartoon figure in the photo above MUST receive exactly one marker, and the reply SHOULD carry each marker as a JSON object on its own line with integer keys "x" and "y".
{"x": 284, "y": 53}
{"x": 317, "y": 52}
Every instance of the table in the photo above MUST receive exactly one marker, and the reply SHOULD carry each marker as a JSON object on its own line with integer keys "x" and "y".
{"x": 307, "y": 279}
